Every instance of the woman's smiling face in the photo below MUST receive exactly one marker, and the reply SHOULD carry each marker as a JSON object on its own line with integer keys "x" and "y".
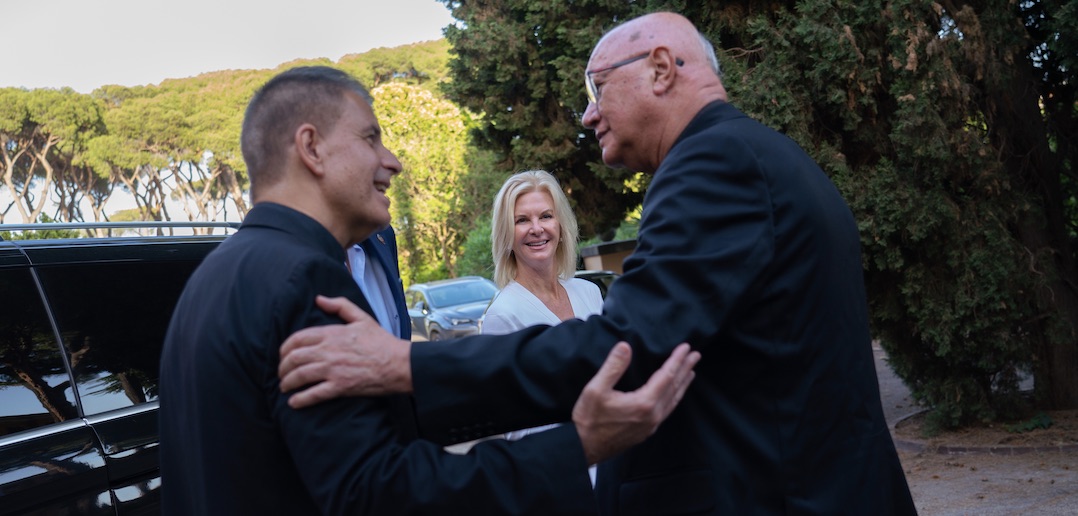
{"x": 536, "y": 230}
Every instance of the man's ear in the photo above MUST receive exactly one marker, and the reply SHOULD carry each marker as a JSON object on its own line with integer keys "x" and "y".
{"x": 308, "y": 146}
{"x": 666, "y": 65}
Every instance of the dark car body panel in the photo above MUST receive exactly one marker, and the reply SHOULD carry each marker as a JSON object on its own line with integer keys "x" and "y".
{"x": 82, "y": 322}
{"x": 58, "y": 470}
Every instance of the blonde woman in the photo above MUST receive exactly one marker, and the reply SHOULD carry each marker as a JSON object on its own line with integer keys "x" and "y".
{"x": 533, "y": 242}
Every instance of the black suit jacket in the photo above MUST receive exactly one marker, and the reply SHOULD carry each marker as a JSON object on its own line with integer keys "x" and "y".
{"x": 231, "y": 445}
{"x": 747, "y": 251}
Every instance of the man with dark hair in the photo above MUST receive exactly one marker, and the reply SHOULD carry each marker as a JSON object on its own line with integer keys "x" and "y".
{"x": 230, "y": 444}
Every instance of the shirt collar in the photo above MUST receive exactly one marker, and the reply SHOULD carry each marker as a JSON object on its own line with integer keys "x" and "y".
{"x": 296, "y": 224}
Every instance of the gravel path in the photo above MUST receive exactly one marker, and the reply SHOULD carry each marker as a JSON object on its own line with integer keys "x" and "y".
{"x": 979, "y": 483}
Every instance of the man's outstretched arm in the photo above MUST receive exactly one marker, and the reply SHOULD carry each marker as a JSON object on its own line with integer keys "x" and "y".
{"x": 359, "y": 358}
{"x": 362, "y": 359}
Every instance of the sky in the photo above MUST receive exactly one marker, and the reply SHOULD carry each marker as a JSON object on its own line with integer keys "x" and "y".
{"x": 85, "y": 44}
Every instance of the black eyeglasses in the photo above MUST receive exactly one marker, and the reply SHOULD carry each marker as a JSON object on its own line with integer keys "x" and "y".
{"x": 589, "y": 83}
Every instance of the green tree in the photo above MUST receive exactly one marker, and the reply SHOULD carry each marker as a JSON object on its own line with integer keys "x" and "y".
{"x": 520, "y": 64}
{"x": 16, "y": 135}
{"x": 422, "y": 64}
{"x": 950, "y": 128}
{"x": 143, "y": 129}
{"x": 438, "y": 197}
{"x": 928, "y": 117}
{"x": 43, "y": 133}
{"x": 475, "y": 258}
{"x": 212, "y": 168}
{"x": 77, "y": 120}
{"x": 178, "y": 141}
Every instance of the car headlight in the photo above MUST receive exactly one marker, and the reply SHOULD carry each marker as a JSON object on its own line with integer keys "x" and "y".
{"x": 457, "y": 322}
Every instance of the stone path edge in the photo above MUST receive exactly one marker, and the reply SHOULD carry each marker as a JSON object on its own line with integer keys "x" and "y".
{"x": 914, "y": 446}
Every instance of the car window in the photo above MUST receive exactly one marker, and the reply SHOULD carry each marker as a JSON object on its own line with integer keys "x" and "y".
{"x": 414, "y": 298}
{"x": 461, "y": 293}
{"x": 112, "y": 317}
{"x": 34, "y": 384}
{"x": 607, "y": 279}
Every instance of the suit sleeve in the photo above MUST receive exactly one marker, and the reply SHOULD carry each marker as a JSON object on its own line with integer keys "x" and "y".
{"x": 706, "y": 237}
{"x": 352, "y": 458}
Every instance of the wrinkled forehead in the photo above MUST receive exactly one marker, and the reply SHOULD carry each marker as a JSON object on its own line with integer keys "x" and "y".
{"x": 644, "y": 34}
{"x": 611, "y": 47}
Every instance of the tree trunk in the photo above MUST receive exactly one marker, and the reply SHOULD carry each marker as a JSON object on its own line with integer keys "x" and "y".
{"x": 1018, "y": 129}
{"x": 235, "y": 192}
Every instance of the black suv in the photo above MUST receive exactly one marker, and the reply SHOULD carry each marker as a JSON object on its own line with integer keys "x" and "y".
{"x": 82, "y": 322}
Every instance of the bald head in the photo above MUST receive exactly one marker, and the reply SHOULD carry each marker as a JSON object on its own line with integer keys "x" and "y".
{"x": 671, "y": 30}
{"x": 647, "y": 79}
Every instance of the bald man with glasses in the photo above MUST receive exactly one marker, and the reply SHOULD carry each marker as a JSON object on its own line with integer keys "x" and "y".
{"x": 746, "y": 250}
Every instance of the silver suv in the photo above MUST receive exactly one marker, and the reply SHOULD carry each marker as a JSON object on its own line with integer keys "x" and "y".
{"x": 448, "y": 309}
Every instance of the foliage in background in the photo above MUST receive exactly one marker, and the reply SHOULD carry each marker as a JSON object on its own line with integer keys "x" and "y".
{"x": 520, "y": 63}
{"x": 420, "y": 64}
{"x": 43, "y": 133}
{"x": 440, "y": 195}
{"x": 949, "y": 127}
{"x": 928, "y": 118}
{"x": 475, "y": 257}
{"x": 176, "y": 143}
{"x": 44, "y": 234}
{"x": 174, "y": 148}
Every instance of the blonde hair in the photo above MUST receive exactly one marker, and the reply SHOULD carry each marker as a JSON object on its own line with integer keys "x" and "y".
{"x": 502, "y": 224}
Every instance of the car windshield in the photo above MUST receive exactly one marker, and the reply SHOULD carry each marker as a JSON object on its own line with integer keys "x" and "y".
{"x": 461, "y": 293}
